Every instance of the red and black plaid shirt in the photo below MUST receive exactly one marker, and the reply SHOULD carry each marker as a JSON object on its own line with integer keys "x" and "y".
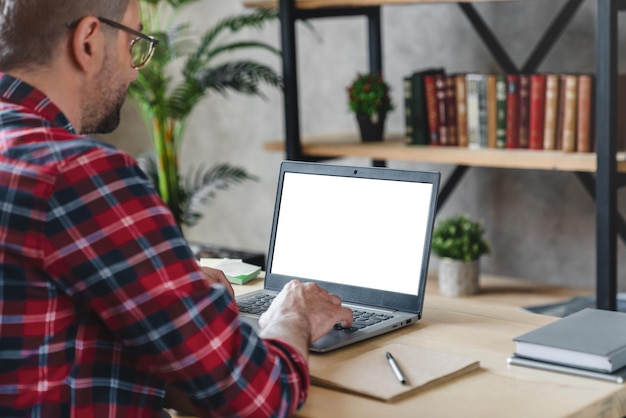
{"x": 101, "y": 299}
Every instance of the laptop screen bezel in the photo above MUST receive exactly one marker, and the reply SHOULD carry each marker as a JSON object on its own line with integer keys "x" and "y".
{"x": 354, "y": 294}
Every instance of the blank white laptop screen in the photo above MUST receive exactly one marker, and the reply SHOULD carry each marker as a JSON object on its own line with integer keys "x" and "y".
{"x": 354, "y": 231}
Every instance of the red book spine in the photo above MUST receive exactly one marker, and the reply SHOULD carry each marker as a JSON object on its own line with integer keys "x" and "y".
{"x": 512, "y": 113}
{"x": 432, "y": 109}
{"x": 441, "y": 92}
{"x": 451, "y": 108}
{"x": 537, "y": 111}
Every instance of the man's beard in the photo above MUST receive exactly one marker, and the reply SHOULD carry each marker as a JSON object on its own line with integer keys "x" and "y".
{"x": 103, "y": 106}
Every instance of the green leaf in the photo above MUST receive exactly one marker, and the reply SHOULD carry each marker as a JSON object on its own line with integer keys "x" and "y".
{"x": 201, "y": 185}
{"x": 459, "y": 238}
{"x": 166, "y": 98}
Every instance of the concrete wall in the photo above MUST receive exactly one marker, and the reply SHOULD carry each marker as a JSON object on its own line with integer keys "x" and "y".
{"x": 541, "y": 223}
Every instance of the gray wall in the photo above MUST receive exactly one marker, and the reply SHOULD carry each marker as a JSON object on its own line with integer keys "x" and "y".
{"x": 541, "y": 223}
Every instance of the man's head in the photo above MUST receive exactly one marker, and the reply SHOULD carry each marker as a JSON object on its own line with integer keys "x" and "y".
{"x": 65, "y": 48}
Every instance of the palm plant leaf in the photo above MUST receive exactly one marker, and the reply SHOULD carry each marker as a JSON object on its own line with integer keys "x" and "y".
{"x": 196, "y": 63}
{"x": 255, "y": 19}
{"x": 165, "y": 106}
{"x": 180, "y": 41}
{"x": 246, "y": 44}
{"x": 148, "y": 164}
{"x": 184, "y": 98}
{"x": 241, "y": 76}
{"x": 202, "y": 184}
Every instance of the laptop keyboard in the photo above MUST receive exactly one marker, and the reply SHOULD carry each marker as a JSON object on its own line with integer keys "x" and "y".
{"x": 258, "y": 304}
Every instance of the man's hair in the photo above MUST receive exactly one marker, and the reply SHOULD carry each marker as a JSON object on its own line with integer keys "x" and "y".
{"x": 30, "y": 30}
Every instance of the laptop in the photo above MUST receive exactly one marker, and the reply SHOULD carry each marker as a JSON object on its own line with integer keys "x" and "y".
{"x": 362, "y": 233}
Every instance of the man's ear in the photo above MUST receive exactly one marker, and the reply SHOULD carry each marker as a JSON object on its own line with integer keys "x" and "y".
{"x": 87, "y": 44}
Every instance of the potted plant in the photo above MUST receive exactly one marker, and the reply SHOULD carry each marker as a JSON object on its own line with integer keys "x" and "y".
{"x": 368, "y": 97}
{"x": 183, "y": 70}
{"x": 459, "y": 242}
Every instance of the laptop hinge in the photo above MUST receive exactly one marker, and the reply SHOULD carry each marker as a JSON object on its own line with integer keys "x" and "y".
{"x": 369, "y": 308}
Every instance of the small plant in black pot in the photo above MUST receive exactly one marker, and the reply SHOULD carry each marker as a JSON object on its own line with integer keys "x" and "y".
{"x": 369, "y": 99}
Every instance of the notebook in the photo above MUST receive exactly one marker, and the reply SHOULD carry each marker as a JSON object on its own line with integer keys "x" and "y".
{"x": 616, "y": 377}
{"x": 362, "y": 233}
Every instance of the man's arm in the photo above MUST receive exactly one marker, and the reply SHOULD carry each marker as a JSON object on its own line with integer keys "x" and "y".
{"x": 301, "y": 313}
{"x": 113, "y": 247}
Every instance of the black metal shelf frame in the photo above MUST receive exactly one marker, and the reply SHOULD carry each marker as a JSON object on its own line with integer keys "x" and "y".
{"x": 607, "y": 182}
{"x": 603, "y": 188}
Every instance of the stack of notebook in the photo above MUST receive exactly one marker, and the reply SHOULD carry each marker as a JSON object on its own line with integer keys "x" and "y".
{"x": 591, "y": 343}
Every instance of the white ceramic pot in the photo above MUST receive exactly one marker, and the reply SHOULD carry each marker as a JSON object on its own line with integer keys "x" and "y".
{"x": 458, "y": 278}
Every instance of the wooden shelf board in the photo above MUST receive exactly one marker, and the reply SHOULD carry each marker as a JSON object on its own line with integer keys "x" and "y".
{"x": 324, "y": 4}
{"x": 395, "y": 148}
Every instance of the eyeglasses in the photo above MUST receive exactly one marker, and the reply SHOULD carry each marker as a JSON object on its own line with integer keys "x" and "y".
{"x": 141, "y": 48}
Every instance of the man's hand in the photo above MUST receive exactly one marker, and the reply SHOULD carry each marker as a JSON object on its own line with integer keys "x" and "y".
{"x": 214, "y": 276}
{"x": 302, "y": 313}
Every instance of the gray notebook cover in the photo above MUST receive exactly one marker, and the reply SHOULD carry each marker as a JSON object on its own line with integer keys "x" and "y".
{"x": 616, "y": 377}
{"x": 579, "y": 340}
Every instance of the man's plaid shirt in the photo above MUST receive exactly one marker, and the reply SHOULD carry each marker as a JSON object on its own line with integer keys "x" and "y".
{"x": 101, "y": 300}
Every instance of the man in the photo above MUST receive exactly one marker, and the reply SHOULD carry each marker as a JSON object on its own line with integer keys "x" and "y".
{"x": 101, "y": 301}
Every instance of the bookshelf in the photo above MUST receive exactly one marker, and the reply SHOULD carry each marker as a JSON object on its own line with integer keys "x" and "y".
{"x": 394, "y": 148}
{"x": 606, "y": 164}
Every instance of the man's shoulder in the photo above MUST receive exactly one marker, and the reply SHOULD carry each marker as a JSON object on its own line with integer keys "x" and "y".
{"x": 57, "y": 147}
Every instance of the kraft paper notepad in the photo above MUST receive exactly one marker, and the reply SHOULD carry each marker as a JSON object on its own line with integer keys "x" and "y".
{"x": 370, "y": 374}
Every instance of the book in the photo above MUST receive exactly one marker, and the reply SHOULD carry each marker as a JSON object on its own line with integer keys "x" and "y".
{"x": 442, "y": 112}
{"x": 408, "y": 109}
{"x": 492, "y": 111}
{"x": 415, "y": 104}
{"x": 461, "y": 110}
{"x": 590, "y": 339}
{"x": 615, "y": 377}
{"x": 537, "y": 111}
{"x": 432, "y": 110}
{"x": 524, "y": 110}
{"x": 370, "y": 375}
{"x": 451, "y": 109}
{"x": 472, "y": 82}
{"x": 482, "y": 110}
{"x": 569, "y": 84}
{"x": 552, "y": 111}
{"x": 501, "y": 111}
{"x": 584, "y": 117}
{"x": 512, "y": 111}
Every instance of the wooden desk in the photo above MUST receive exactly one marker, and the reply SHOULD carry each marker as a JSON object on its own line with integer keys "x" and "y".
{"x": 481, "y": 327}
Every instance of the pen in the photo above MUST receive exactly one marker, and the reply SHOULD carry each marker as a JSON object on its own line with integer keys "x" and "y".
{"x": 395, "y": 368}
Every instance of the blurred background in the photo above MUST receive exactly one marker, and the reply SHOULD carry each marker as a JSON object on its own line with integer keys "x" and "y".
{"x": 541, "y": 224}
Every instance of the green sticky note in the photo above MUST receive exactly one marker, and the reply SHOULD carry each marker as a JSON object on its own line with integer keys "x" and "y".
{"x": 236, "y": 271}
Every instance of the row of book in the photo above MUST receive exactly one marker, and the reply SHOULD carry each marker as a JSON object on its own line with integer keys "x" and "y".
{"x": 532, "y": 111}
{"x": 590, "y": 342}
